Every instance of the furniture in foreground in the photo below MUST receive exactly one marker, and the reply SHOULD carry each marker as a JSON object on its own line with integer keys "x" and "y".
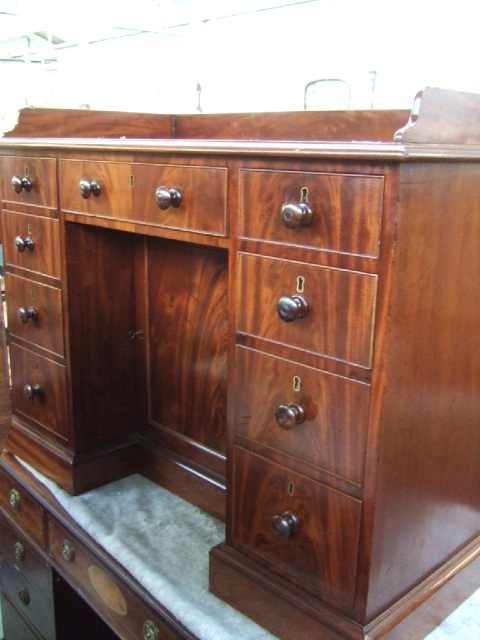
{"x": 273, "y": 316}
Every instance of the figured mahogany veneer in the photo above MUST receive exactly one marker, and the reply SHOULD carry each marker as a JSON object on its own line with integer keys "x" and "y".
{"x": 272, "y": 315}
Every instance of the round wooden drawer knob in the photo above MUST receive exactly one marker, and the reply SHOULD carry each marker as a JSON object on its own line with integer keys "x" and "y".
{"x": 21, "y": 184}
{"x": 288, "y": 416}
{"x": 284, "y": 526}
{"x": 296, "y": 215}
{"x": 166, "y": 198}
{"x": 24, "y": 243}
{"x": 27, "y": 314}
{"x": 32, "y": 392}
{"x": 291, "y": 308}
{"x": 87, "y": 188}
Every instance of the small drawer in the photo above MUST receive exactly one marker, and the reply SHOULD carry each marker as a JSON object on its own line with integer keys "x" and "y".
{"x": 32, "y": 596}
{"x": 21, "y": 508}
{"x": 39, "y": 393}
{"x": 32, "y": 243}
{"x": 35, "y": 312}
{"x": 313, "y": 416}
{"x": 14, "y": 626}
{"x": 296, "y": 525}
{"x": 333, "y": 212}
{"x": 192, "y": 198}
{"x": 96, "y": 188}
{"x": 109, "y": 597}
{"x": 18, "y": 552}
{"x": 317, "y": 309}
{"x": 29, "y": 181}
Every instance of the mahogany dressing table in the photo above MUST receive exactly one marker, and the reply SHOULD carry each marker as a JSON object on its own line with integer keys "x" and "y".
{"x": 273, "y": 316}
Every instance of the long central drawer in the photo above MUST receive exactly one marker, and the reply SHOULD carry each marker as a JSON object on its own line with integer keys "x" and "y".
{"x": 186, "y": 198}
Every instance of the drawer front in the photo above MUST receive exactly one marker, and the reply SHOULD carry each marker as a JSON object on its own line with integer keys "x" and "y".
{"x": 317, "y": 528}
{"x": 345, "y": 216}
{"x": 338, "y": 315}
{"x": 18, "y": 552}
{"x": 21, "y": 508}
{"x": 33, "y": 599}
{"x": 202, "y": 206}
{"x": 126, "y": 613}
{"x": 316, "y": 417}
{"x": 44, "y": 402}
{"x": 41, "y": 239}
{"x": 35, "y": 312}
{"x": 35, "y": 179}
{"x": 113, "y": 178}
{"x": 14, "y": 626}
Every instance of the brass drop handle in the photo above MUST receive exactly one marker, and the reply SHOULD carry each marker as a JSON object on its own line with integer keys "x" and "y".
{"x": 68, "y": 550}
{"x": 31, "y": 392}
{"x": 150, "y": 631}
{"x": 19, "y": 551}
{"x": 27, "y": 314}
{"x": 21, "y": 184}
{"x": 284, "y": 526}
{"x": 14, "y": 498}
{"x": 296, "y": 215}
{"x": 288, "y": 416}
{"x": 290, "y": 308}
{"x": 166, "y": 198}
{"x": 24, "y": 597}
{"x": 88, "y": 189}
{"x": 24, "y": 243}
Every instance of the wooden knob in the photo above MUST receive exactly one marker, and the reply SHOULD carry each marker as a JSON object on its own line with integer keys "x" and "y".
{"x": 31, "y": 392}
{"x": 291, "y": 308}
{"x": 284, "y": 526}
{"x": 27, "y": 314}
{"x": 166, "y": 198}
{"x": 288, "y": 416}
{"x": 296, "y": 215}
{"x": 22, "y": 244}
{"x": 21, "y": 184}
{"x": 88, "y": 189}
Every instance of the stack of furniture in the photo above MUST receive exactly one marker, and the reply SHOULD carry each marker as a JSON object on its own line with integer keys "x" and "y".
{"x": 273, "y": 316}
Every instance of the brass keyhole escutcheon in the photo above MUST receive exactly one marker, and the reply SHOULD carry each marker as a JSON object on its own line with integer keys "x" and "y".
{"x": 297, "y": 383}
{"x": 291, "y": 489}
{"x": 300, "y": 284}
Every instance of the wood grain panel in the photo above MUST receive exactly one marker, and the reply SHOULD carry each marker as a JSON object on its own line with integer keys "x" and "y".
{"x": 42, "y": 174}
{"x": 333, "y": 435}
{"x": 45, "y": 256}
{"x": 188, "y": 332}
{"x": 47, "y": 329}
{"x": 341, "y": 305}
{"x": 347, "y": 209}
{"x": 203, "y": 189}
{"x": 48, "y": 411}
{"x": 115, "y": 199}
{"x": 323, "y": 552}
